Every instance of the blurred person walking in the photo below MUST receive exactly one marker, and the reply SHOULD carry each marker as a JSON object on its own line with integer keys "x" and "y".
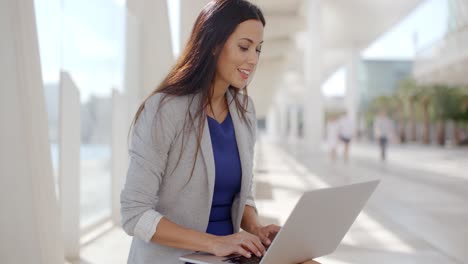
{"x": 383, "y": 132}
{"x": 345, "y": 133}
{"x": 332, "y": 136}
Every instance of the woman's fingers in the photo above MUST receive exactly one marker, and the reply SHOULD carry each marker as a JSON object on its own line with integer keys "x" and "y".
{"x": 263, "y": 234}
{"x": 267, "y": 233}
{"x": 264, "y": 238}
{"x": 275, "y": 228}
{"x": 251, "y": 247}
{"x": 254, "y": 244}
{"x": 243, "y": 252}
{"x": 258, "y": 244}
{"x": 272, "y": 231}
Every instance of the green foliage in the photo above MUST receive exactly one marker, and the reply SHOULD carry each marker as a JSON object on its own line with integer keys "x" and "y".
{"x": 460, "y": 111}
{"x": 410, "y": 102}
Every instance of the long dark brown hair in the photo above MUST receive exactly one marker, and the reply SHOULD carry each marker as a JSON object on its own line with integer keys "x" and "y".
{"x": 195, "y": 70}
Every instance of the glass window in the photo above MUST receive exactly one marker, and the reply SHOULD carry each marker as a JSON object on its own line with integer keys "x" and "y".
{"x": 48, "y": 18}
{"x": 85, "y": 39}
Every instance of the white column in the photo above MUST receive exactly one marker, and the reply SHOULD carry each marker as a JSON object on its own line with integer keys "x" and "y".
{"x": 282, "y": 111}
{"x": 271, "y": 123}
{"x": 294, "y": 123}
{"x": 69, "y": 165}
{"x": 133, "y": 84}
{"x": 154, "y": 49}
{"x": 189, "y": 11}
{"x": 313, "y": 105}
{"x": 30, "y": 225}
{"x": 352, "y": 86}
{"x": 274, "y": 122}
{"x": 121, "y": 120}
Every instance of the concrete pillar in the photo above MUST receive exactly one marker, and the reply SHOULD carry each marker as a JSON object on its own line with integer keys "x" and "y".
{"x": 294, "y": 123}
{"x": 133, "y": 83}
{"x": 313, "y": 102}
{"x": 189, "y": 11}
{"x": 283, "y": 120}
{"x": 277, "y": 121}
{"x": 121, "y": 120}
{"x": 352, "y": 88}
{"x": 272, "y": 123}
{"x": 152, "y": 50}
{"x": 30, "y": 224}
{"x": 69, "y": 165}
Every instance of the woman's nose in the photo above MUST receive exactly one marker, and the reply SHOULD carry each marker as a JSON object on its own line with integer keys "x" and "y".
{"x": 253, "y": 58}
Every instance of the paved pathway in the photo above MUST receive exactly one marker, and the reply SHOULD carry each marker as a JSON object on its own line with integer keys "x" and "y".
{"x": 419, "y": 213}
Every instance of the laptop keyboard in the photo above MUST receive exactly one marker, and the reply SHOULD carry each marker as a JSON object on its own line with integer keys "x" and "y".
{"x": 243, "y": 260}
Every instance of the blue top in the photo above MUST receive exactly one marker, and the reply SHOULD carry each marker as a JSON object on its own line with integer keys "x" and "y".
{"x": 228, "y": 175}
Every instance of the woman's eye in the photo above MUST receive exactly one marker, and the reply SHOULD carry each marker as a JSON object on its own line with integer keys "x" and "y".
{"x": 243, "y": 48}
{"x": 259, "y": 51}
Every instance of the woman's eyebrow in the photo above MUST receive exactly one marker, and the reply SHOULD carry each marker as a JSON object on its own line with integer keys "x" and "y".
{"x": 251, "y": 41}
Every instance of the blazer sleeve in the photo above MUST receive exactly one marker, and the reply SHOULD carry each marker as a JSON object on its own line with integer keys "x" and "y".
{"x": 251, "y": 109}
{"x": 151, "y": 141}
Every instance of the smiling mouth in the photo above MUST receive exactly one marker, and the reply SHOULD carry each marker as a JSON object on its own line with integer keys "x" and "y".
{"x": 244, "y": 73}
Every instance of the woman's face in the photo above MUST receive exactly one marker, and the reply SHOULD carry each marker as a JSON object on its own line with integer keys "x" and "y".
{"x": 239, "y": 56}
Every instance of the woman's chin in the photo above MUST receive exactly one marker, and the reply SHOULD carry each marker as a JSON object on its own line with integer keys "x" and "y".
{"x": 239, "y": 86}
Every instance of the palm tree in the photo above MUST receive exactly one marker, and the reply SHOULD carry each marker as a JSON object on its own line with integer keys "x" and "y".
{"x": 423, "y": 96}
{"x": 407, "y": 95}
{"x": 460, "y": 113}
{"x": 400, "y": 115}
{"x": 447, "y": 106}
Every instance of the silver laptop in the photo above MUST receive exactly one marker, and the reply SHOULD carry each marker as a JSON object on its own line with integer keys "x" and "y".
{"x": 315, "y": 227}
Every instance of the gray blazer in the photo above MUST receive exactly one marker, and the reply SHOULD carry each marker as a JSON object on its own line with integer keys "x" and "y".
{"x": 155, "y": 186}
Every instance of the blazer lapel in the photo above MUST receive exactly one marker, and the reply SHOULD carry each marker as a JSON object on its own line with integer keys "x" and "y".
{"x": 207, "y": 152}
{"x": 242, "y": 145}
{"x": 206, "y": 149}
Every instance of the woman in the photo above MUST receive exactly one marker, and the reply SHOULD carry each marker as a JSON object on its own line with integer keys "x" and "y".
{"x": 189, "y": 182}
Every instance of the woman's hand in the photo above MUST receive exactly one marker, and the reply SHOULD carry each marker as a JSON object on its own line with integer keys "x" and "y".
{"x": 242, "y": 243}
{"x": 266, "y": 233}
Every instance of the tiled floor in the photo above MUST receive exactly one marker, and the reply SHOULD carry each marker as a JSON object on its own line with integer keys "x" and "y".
{"x": 418, "y": 214}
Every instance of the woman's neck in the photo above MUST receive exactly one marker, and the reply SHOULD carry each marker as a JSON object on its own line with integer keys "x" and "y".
{"x": 218, "y": 101}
